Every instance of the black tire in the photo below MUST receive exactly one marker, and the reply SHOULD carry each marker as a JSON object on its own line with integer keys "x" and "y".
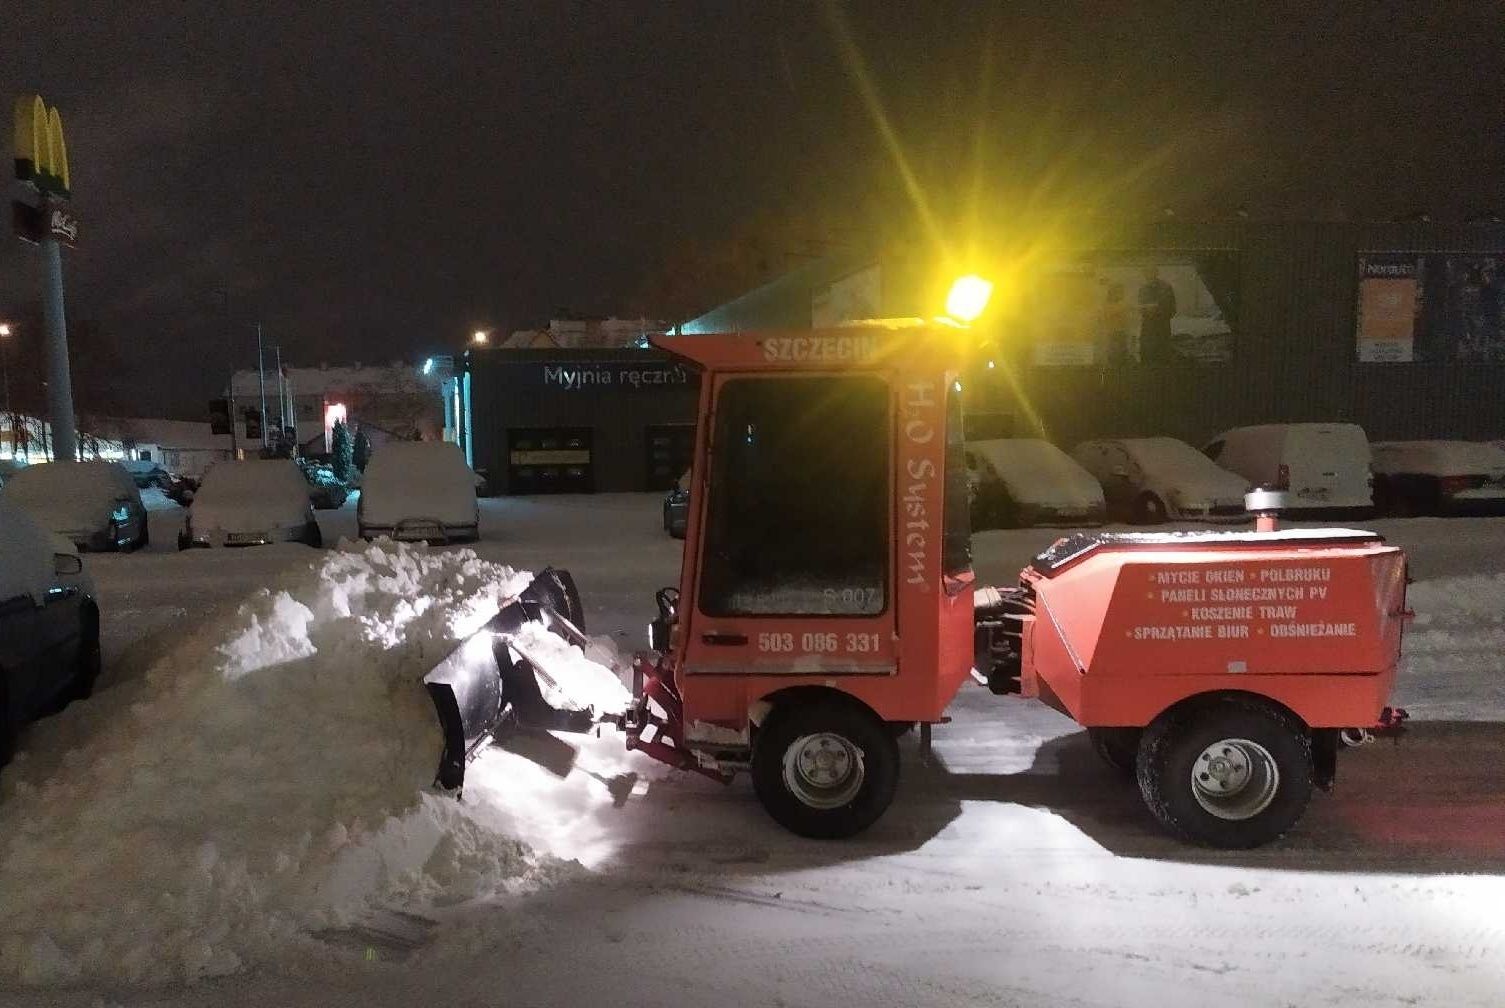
{"x": 1267, "y": 748}
{"x": 1117, "y": 747}
{"x": 146, "y": 536}
{"x": 7, "y": 724}
{"x": 183, "y": 541}
{"x": 87, "y": 666}
{"x": 854, "y": 738}
{"x": 1149, "y": 509}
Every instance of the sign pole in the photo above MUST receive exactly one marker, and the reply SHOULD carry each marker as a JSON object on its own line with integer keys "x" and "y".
{"x": 59, "y": 379}
{"x": 41, "y": 157}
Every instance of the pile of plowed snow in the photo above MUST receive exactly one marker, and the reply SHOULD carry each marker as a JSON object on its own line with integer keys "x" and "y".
{"x": 268, "y": 778}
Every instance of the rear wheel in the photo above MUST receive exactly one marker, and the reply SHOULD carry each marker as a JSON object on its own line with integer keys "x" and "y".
{"x": 827, "y": 770}
{"x": 1149, "y": 509}
{"x": 1117, "y": 747}
{"x": 1232, "y": 773}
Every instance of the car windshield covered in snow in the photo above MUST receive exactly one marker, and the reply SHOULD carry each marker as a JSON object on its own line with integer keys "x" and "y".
{"x": 1169, "y": 459}
{"x": 1036, "y": 471}
{"x": 255, "y": 495}
{"x": 418, "y": 489}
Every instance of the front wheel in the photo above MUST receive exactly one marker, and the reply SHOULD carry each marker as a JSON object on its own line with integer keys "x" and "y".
{"x": 827, "y": 770}
{"x": 1149, "y": 509}
{"x": 86, "y": 670}
{"x": 8, "y": 730}
{"x": 1234, "y": 773}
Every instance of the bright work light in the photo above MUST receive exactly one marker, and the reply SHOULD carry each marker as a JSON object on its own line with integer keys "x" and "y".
{"x": 969, "y": 296}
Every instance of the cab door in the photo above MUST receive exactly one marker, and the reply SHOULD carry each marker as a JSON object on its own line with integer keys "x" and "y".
{"x": 795, "y": 544}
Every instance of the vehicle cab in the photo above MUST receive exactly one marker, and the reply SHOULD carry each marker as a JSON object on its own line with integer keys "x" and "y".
{"x": 825, "y": 602}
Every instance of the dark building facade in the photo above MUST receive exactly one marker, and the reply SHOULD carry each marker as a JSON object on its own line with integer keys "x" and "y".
{"x": 1187, "y": 329}
{"x": 579, "y": 421}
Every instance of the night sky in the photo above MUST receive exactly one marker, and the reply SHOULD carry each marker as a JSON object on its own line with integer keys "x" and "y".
{"x": 376, "y": 183}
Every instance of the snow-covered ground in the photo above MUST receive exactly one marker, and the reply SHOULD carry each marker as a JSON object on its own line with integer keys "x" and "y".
{"x": 1013, "y": 869}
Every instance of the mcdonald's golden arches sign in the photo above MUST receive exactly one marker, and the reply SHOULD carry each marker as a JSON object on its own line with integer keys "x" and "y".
{"x": 41, "y": 153}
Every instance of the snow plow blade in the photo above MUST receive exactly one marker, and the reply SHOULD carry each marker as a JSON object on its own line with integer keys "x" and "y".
{"x": 489, "y": 680}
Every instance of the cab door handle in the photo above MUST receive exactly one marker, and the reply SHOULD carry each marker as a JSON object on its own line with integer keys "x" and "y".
{"x": 724, "y": 639}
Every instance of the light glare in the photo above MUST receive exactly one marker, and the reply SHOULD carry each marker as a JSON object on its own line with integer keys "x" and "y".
{"x": 969, "y": 296}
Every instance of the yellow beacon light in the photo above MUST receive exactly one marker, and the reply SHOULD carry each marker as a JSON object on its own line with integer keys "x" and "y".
{"x": 969, "y": 296}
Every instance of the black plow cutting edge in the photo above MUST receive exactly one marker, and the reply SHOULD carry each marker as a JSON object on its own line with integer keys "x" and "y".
{"x": 484, "y": 682}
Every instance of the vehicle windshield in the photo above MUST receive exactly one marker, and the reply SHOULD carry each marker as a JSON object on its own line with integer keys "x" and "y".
{"x": 798, "y": 517}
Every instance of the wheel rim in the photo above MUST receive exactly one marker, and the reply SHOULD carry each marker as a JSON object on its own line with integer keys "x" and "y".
{"x": 1235, "y": 779}
{"x": 823, "y": 770}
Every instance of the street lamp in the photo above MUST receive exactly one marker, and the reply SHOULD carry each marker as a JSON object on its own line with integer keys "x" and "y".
{"x": 479, "y": 337}
{"x": 968, "y": 297}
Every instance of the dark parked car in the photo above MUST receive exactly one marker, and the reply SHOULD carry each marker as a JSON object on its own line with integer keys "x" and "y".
{"x": 180, "y": 489}
{"x": 94, "y": 505}
{"x": 677, "y": 508}
{"x": 49, "y": 625}
{"x": 1438, "y": 477}
{"x": 325, "y": 492}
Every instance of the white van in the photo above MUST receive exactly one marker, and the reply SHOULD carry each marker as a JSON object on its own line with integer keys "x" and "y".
{"x": 1324, "y": 467}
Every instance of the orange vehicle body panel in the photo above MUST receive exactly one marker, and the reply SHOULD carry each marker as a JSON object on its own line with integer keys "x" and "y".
{"x": 1122, "y": 635}
{"x": 905, "y": 663}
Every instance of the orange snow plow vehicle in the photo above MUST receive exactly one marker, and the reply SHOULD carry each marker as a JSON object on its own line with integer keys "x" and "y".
{"x": 827, "y": 604}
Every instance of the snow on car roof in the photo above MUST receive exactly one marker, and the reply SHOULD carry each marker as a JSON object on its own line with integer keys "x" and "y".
{"x": 265, "y": 479}
{"x": 67, "y": 496}
{"x": 418, "y": 479}
{"x": 51, "y": 481}
{"x": 1438, "y": 458}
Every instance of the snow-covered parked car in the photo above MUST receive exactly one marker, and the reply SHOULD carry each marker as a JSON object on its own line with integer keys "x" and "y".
{"x": 1323, "y": 468}
{"x": 1439, "y": 477}
{"x": 94, "y": 505}
{"x": 251, "y": 503}
{"x": 1150, "y": 480}
{"x": 49, "y": 624}
{"x": 419, "y": 490}
{"x": 1027, "y": 481}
